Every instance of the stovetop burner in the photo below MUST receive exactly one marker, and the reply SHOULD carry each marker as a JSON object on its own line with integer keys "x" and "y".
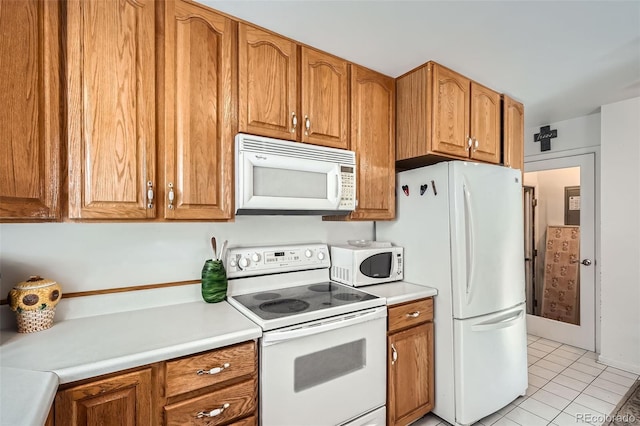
{"x": 284, "y": 306}
{"x": 300, "y": 300}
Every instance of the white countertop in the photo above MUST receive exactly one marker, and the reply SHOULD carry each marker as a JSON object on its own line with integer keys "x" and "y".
{"x": 25, "y": 396}
{"x": 88, "y": 347}
{"x": 400, "y": 291}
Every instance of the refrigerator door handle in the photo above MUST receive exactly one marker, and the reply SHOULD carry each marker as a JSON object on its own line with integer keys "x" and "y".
{"x": 468, "y": 225}
{"x": 503, "y": 321}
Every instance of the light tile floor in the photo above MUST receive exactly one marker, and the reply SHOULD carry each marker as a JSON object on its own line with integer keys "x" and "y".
{"x": 567, "y": 387}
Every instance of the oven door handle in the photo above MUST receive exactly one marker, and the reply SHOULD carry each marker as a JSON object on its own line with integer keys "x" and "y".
{"x": 321, "y": 326}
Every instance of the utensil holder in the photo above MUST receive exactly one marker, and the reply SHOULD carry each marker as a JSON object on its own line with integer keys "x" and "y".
{"x": 214, "y": 281}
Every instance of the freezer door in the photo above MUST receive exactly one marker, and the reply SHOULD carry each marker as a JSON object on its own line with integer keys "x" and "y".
{"x": 490, "y": 363}
{"x": 487, "y": 238}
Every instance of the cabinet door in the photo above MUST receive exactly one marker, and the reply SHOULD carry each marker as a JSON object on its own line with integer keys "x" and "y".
{"x": 450, "y": 112}
{"x": 116, "y": 401}
{"x": 485, "y": 124}
{"x": 200, "y": 80}
{"x": 410, "y": 374}
{"x": 513, "y": 133}
{"x": 324, "y": 94}
{"x": 111, "y": 109}
{"x": 268, "y": 84}
{"x": 29, "y": 109}
{"x": 373, "y": 140}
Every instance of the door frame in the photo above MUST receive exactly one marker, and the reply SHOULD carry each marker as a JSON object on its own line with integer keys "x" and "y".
{"x": 541, "y": 159}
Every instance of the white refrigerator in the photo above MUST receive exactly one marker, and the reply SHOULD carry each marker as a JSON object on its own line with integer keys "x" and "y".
{"x": 461, "y": 226}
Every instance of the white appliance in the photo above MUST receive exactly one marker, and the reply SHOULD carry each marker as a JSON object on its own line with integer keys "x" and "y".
{"x": 361, "y": 263}
{"x": 282, "y": 177}
{"x": 322, "y": 341}
{"x": 461, "y": 225}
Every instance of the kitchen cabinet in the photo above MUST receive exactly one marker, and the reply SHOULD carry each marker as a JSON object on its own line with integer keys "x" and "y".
{"x": 512, "y": 133}
{"x": 208, "y": 388}
{"x": 123, "y": 399}
{"x": 410, "y": 367}
{"x": 442, "y": 115}
{"x": 111, "y": 125}
{"x": 30, "y": 110}
{"x": 219, "y": 386}
{"x": 197, "y": 132}
{"x": 289, "y": 91}
{"x": 373, "y": 140}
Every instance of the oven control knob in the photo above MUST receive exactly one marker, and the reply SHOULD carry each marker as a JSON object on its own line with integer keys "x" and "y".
{"x": 244, "y": 262}
{"x": 320, "y": 255}
{"x": 233, "y": 263}
{"x": 255, "y": 257}
{"x": 308, "y": 253}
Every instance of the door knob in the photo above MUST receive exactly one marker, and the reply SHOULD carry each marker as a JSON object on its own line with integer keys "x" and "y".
{"x": 585, "y": 262}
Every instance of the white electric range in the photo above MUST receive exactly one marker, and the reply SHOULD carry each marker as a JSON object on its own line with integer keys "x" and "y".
{"x": 323, "y": 350}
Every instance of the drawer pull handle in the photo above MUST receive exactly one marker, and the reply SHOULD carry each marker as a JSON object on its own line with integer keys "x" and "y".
{"x": 212, "y": 413}
{"x": 415, "y": 314}
{"x": 214, "y": 370}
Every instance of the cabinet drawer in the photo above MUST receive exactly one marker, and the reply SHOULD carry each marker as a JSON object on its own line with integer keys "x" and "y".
{"x": 410, "y": 314}
{"x": 235, "y": 361}
{"x": 241, "y": 400}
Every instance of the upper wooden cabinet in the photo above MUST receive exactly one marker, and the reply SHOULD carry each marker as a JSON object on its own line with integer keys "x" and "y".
{"x": 373, "y": 140}
{"x": 291, "y": 92}
{"x": 111, "y": 122}
{"x": 512, "y": 133}
{"x": 200, "y": 80}
{"x": 29, "y": 109}
{"x": 444, "y": 115}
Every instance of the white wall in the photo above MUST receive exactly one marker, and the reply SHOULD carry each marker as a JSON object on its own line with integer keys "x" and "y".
{"x": 88, "y": 256}
{"x": 576, "y": 133}
{"x": 620, "y": 260}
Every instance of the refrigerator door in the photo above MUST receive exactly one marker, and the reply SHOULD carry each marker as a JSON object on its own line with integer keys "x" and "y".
{"x": 490, "y": 363}
{"x": 487, "y": 238}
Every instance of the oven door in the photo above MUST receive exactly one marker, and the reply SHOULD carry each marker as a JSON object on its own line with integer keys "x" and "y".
{"x": 324, "y": 372}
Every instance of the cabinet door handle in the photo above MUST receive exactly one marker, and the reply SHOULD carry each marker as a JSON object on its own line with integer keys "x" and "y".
{"x": 475, "y": 146}
{"x": 394, "y": 354}
{"x": 469, "y": 143}
{"x": 149, "y": 195}
{"x": 414, "y": 314}
{"x": 213, "y": 413}
{"x": 171, "y": 195}
{"x": 307, "y": 125}
{"x": 294, "y": 122}
{"x": 214, "y": 370}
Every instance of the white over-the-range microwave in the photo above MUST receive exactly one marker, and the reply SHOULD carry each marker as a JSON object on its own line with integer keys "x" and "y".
{"x": 366, "y": 264}
{"x": 283, "y": 177}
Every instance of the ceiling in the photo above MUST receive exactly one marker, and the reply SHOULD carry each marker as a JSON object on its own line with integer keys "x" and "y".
{"x": 562, "y": 59}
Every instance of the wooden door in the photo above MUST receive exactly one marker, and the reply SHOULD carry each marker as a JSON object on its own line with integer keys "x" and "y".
{"x": 485, "y": 124}
{"x": 450, "y": 112}
{"x": 373, "y": 140}
{"x": 120, "y": 400}
{"x": 411, "y": 375}
{"x": 111, "y": 109}
{"x": 200, "y": 80}
{"x": 268, "y": 84}
{"x": 29, "y": 109}
{"x": 513, "y": 133}
{"x": 324, "y": 95}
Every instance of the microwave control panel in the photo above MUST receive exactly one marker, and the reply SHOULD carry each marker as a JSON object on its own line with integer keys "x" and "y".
{"x": 249, "y": 261}
{"x": 348, "y": 199}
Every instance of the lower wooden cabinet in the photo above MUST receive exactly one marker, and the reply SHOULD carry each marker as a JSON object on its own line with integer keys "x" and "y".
{"x": 410, "y": 373}
{"x": 119, "y": 400}
{"x": 218, "y": 387}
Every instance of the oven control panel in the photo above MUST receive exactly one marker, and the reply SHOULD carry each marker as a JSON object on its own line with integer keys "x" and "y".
{"x": 249, "y": 261}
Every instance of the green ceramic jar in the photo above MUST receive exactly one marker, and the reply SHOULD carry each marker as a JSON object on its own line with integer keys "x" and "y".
{"x": 214, "y": 281}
